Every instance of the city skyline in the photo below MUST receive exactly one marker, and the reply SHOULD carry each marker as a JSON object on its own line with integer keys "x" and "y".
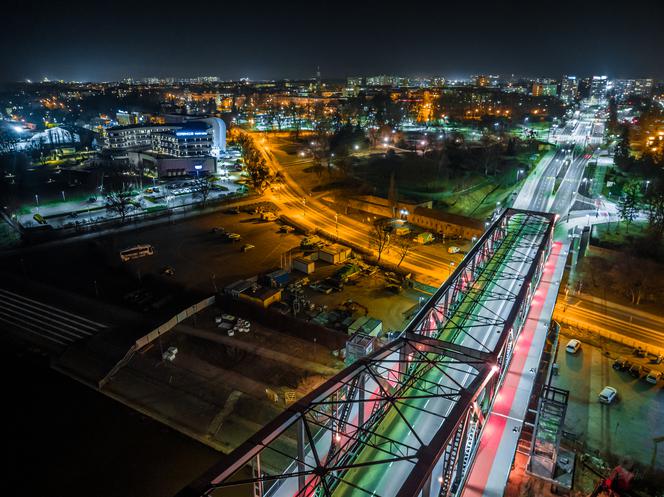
{"x": 233, "y": 42}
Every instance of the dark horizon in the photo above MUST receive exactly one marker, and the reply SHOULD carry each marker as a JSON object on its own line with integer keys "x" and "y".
{"x": 82, "y": 41}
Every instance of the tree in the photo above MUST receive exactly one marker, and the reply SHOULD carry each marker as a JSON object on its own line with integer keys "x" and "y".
{"x": 636, "y": 277}
{"x": 118, "y": 200}
{"x": 379, "y": 238}
{"x": 654, "y": 201}
{"x": 403, "y": 244}
{"x": 259, "y": 175}
{"x": 622, "y": 156}
{"x": 202, "y": 188}
{"x": 628, "y": 205}
{"x": 296, "y": 123}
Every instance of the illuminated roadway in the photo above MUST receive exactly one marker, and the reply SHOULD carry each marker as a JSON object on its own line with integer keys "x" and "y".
{"x": 308, "y": 211}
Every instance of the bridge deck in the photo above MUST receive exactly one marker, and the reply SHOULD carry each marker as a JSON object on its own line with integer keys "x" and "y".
{"x": 488, "y": 474}
{"x": 474, "y": 324}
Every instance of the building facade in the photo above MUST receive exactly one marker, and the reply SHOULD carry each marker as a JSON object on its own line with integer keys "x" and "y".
{"x": 200, "y": 138}
{"x": 598, "y": 87}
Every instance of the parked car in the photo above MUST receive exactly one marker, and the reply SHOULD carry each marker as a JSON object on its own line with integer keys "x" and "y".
{"x": 640, "y": 352}
{"x": 286, "y": 229}
{"x": 573, "y": 346}
{"x": 658, "y": 359}
{"x": 653, "y": 376}
{"x": 608, "y": 395}
{"x": 635, "y": 370}
{"x": 234, "y": 236}
{"x": 453, "y": 250}
{"x": 169, "y": 354}
{"x": 621, "y": 364}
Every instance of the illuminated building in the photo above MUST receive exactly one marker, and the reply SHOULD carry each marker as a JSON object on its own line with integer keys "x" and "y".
{"x": 598, "y": 87}
{"x": 569, "y": 88}
{"x": 200, "y": 138}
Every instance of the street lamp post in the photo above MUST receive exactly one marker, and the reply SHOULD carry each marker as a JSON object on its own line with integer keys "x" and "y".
{"x": 336, "y": 224}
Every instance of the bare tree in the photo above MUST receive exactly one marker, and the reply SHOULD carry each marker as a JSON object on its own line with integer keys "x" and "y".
{"x": 636, "y": 277}
{"x": 403, "y": 244}
{"x": 203, "y": 187}
{"x": 379, "y": 238}
{"x": 118, "y": 200}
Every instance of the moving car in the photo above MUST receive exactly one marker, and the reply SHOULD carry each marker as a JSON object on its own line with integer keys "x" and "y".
{"x": 453, "y": 250}
{"x": 169, "y": 354}
{"x": 286, "y": 229}
{"x": 608, "y": 395}
{"x": 247, "y": 247}
{"x": 233, "y": 236}
{"x": 573, "y": 346}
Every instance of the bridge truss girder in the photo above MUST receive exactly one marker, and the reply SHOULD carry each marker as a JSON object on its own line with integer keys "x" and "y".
{"x": 313, "y": 444}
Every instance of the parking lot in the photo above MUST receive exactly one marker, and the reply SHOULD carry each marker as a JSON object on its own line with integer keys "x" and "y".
{"x": 627, "y": 426}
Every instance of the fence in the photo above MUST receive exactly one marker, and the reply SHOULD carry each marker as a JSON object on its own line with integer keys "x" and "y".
{"x": 156, "y": 333}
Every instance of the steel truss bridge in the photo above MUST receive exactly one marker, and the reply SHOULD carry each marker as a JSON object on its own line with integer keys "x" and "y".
{"x": 406, "y": 420}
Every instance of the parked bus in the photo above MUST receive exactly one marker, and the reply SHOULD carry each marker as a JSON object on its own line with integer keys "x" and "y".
{"x": 136, "y": 252}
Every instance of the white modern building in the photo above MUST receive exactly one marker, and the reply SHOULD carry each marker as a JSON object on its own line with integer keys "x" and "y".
{"x": 200, "y": 138}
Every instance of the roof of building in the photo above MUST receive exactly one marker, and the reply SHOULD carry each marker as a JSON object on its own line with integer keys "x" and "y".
{"x": 195, "y": 125}
{"x": 446, "y": 217}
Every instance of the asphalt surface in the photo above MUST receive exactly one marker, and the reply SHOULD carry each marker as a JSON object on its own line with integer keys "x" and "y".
{"x": 645, "y": 327}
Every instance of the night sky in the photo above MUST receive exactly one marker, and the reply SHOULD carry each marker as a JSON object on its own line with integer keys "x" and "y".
{"x": 109, "y": 40}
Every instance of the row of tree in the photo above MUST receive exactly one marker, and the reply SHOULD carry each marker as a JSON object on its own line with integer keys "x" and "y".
{"x": 254, "y": 160}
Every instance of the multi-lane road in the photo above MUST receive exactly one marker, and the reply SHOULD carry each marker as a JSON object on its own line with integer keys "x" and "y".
{"x": 593, "y": 313}
{"x": 309, "y": 212}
